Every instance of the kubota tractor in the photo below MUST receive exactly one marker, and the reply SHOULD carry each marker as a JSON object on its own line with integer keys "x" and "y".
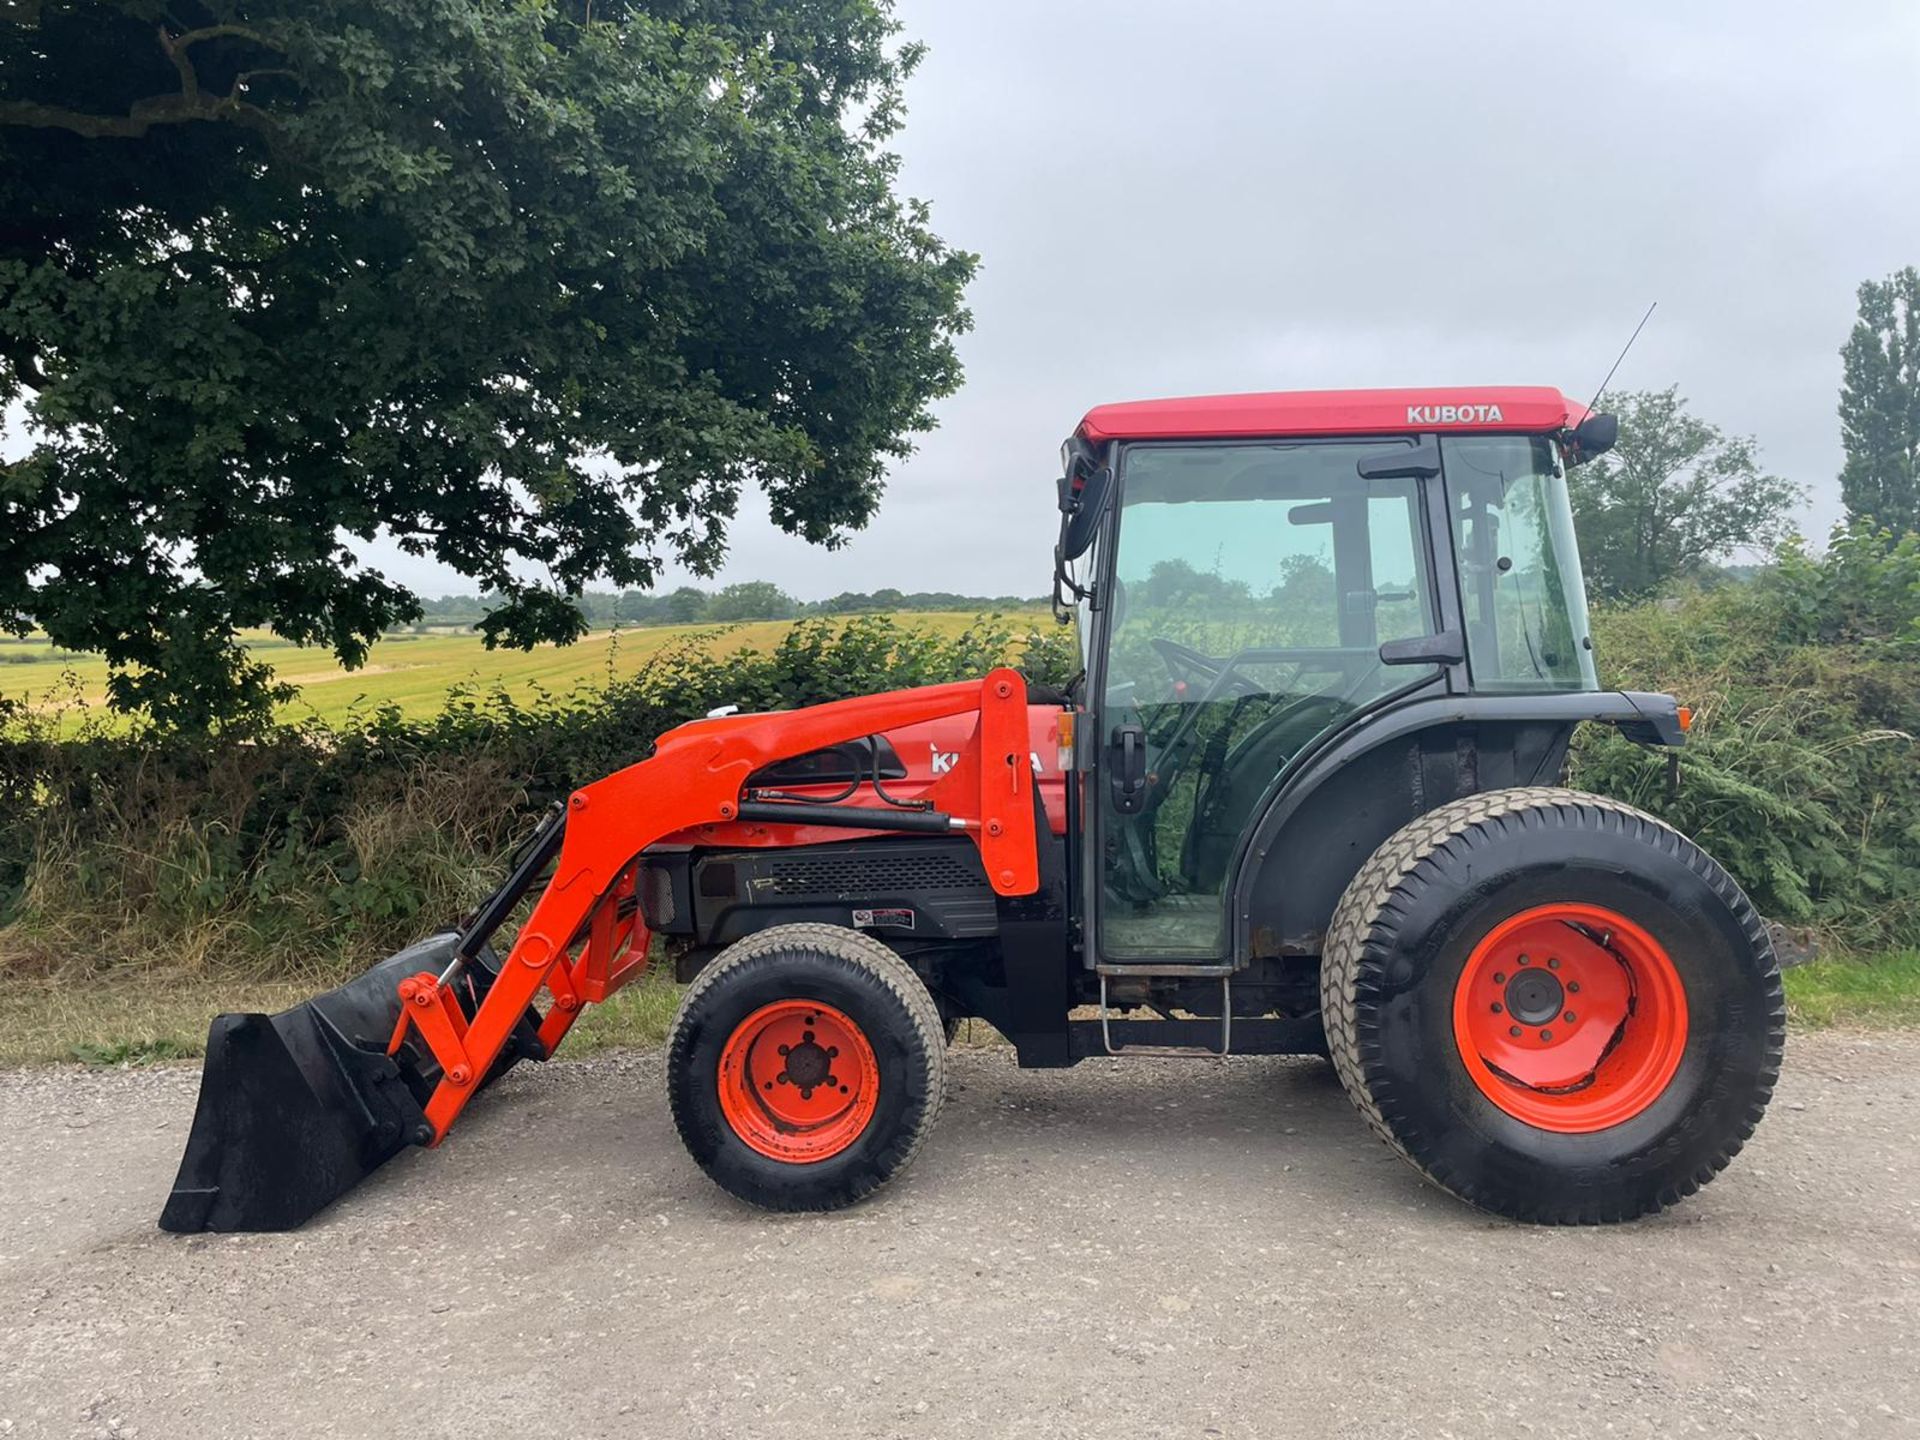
{"x": 1305, "y": 797}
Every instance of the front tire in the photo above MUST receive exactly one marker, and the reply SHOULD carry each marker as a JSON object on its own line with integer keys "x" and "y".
{"x": 1553, "y": 1005}
{"x": 805, "y": 1067}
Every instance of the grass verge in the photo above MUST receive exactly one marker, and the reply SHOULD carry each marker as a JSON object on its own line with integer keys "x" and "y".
{"x": 150, "y": 1018}
{"x": 144, "y": 1018}
{"x": 1872, "y": 991}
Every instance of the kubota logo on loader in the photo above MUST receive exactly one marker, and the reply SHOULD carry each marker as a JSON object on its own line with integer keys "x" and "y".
{"x": 1454, "y": 415}
{"x": 944, "y": 760}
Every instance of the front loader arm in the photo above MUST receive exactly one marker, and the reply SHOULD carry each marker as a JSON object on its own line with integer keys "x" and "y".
{"x": 585, "y": 938}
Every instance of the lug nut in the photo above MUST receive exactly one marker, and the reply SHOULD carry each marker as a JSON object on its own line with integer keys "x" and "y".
{"x": 1573, "y": 987}
{"x": 1546, "y": 1034}
{"x": 1525, "y": 961}
{"x": 1496, "y": 1007}
{"x": 1499, "y": 978}
{"x": 1553, "y": 964}
{"x": 1568, "y": 1017}
{"x": 1514, "y": 1030}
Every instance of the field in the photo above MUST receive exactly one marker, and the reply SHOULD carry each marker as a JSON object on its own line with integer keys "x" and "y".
{"x": 417, "y": 672}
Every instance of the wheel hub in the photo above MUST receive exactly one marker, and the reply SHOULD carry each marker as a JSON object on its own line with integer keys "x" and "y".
{"x": 798, "y": 1081}
{"x": 808, "y": 1064}
{"x": 1534, "y": 996}
{"x": 1570, "y": 1017}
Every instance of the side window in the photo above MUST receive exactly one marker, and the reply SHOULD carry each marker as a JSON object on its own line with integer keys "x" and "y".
{"x": 1403, "y": 607}
{"x": 1252, "y": 588}
{"x": 1519, "y": 566}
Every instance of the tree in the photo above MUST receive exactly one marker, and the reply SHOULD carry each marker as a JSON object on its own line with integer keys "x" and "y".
{"x": 535, "y": 288}
{"x": 685, "y": 606}
{"x": 1880, "y": 406}
{"x": 1674, "y": 494}
{"x": 752, "y": 600}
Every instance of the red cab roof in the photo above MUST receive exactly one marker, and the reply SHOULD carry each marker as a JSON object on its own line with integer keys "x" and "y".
{"x": 1523, "y": 409}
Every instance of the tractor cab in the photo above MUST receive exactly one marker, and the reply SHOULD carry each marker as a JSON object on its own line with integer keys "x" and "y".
{"x": 1253, "y": 577}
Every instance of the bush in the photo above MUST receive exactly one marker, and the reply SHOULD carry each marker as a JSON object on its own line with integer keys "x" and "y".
{"x": 305, "y": 848}
{"x": 1802, "y": 774}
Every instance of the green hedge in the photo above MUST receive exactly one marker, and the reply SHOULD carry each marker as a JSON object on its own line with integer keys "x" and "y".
{"x": 1802, "y": 774}
{"x": 315, "y": 848}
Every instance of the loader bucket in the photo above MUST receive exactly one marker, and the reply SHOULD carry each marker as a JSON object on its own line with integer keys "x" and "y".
{"x": 297, "y": 1108}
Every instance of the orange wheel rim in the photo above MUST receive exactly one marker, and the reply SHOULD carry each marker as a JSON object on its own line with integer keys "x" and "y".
{"x": 1570, "y": 1017}
{"x": 798, "y": 1081}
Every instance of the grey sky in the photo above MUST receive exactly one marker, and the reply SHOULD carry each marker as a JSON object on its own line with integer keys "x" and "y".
{"x": 1179, "y": 199}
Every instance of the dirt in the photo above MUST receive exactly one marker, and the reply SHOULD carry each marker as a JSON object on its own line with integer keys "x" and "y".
{"x": 1127, "y": 1248}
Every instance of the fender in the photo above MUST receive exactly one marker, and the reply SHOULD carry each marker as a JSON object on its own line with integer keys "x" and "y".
{"x": 1338, "y": 801}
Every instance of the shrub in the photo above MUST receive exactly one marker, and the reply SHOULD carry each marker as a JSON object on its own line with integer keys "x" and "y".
{"x": 314, "y": 848}
{"x": 1802, "y": 774}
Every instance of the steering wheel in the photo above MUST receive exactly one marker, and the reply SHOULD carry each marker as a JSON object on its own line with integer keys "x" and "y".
{"x": 1188, "y": 666}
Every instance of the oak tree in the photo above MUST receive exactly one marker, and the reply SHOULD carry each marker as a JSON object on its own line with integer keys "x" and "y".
{"x": 534, "y": 288}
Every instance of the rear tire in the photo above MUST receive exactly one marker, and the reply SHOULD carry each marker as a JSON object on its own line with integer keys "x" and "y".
{"x": 805, "y": 1067}
{"x": 1650, "y": 1090}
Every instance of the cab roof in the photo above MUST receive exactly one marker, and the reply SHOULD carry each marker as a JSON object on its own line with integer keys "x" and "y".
{"x": 1500, "y": 409}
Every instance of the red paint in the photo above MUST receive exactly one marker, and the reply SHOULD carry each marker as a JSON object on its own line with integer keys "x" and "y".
{"x": 579, "y": 947}
{"x": 763, "y": 1100}
{"x": 925, "y": 749}
{"x": 1615, "y": 1038}
{"x": 1524, "y": 409}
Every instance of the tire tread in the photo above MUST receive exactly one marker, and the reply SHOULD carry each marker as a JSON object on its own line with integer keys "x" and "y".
{"x": 859, "y": 952}
{"x": 1414, "y": 857}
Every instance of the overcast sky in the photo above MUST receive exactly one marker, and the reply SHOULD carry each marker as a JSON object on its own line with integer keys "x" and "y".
{"x": 1179, "y": 199}
{"x": 1189, "y": 198}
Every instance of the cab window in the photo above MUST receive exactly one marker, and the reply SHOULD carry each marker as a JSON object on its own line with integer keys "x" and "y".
{"x": 1252, "y": 587}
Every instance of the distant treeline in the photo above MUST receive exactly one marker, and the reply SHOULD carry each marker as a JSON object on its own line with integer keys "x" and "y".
{"x": 748, "y": 600}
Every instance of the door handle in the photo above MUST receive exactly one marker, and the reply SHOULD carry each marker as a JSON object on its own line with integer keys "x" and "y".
{"x": 1129, "y": 779}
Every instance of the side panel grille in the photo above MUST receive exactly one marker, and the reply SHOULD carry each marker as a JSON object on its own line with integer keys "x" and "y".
{"x": 872, "y": 875}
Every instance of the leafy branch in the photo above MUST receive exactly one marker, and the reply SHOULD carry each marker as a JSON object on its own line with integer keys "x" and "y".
{"x": 189, "y": 103}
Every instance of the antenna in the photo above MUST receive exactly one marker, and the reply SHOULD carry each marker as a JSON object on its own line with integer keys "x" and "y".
{"x": 1594, "y": 403}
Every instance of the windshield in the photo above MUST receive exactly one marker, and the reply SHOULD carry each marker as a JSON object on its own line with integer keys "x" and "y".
{"x": 1520, "y": 586}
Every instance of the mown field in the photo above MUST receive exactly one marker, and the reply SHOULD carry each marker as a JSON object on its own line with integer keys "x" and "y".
{"x": 418, "y": 673}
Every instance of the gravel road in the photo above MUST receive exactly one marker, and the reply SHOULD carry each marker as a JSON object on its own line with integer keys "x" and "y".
{"x": 1147, "y": 1248}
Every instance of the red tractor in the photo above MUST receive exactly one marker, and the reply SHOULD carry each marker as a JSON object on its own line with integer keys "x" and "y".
{"x": 1304, "y": 798}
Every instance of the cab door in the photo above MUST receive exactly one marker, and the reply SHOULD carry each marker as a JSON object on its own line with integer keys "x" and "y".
{"x": 1248, "y": 590}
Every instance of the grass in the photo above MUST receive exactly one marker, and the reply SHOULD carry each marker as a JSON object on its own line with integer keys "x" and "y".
{"x": 417, "y": 672}
{"x": 142, "y": 1018}
{"x": 1876, "y": 992}
{"x": 152, "y": 1017}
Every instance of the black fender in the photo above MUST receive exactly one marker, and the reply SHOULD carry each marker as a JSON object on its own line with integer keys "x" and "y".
{"x": 1334, "y": 804}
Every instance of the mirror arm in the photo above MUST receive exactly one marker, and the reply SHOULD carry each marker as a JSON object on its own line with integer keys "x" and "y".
{"x": 1066, "y": 590}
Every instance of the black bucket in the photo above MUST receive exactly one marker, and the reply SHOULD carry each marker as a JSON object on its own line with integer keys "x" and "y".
{"x": 297, "y": 1108}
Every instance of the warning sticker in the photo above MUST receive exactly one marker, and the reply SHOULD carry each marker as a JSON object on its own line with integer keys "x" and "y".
{"x": 883, "y": 919}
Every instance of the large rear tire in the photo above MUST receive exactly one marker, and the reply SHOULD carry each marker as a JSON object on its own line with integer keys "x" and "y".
{"x": 805, "y": 1067}
{"x": 1553, "y": 1005}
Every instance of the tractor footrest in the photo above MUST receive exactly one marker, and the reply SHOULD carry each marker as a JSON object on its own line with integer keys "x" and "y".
{"x": 1183, "y": 1051}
